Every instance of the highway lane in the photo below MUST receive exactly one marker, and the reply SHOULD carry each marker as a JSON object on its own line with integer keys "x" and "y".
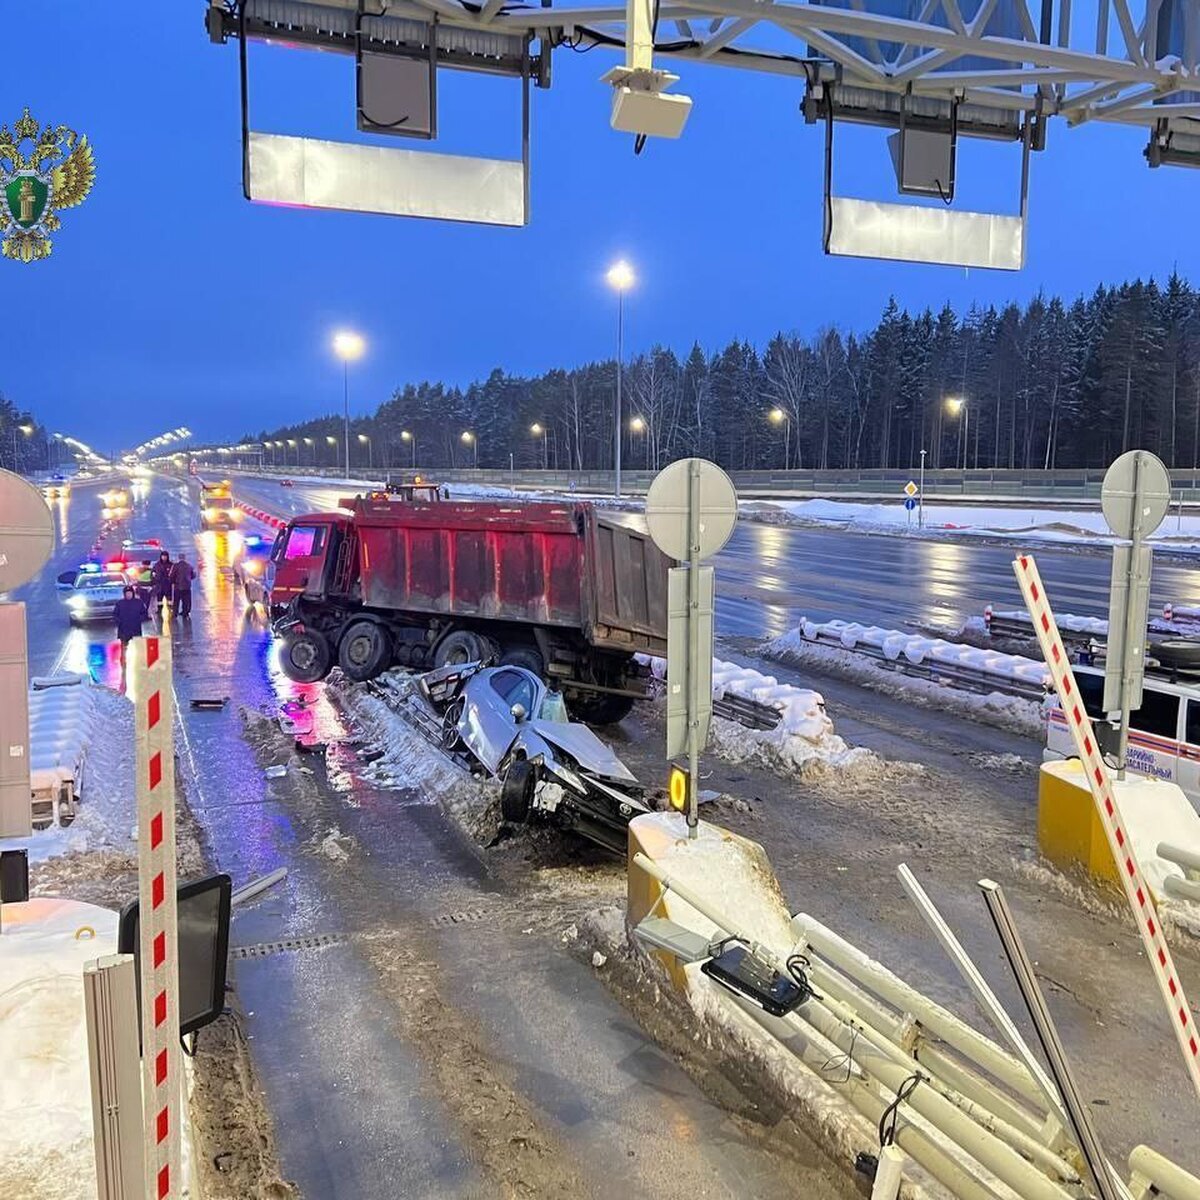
{"x": 769, "y": 576}
{"x": 342, "y": 1047}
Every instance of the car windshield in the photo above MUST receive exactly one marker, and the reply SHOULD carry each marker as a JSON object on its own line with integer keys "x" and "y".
{"x": 100, "y": 581}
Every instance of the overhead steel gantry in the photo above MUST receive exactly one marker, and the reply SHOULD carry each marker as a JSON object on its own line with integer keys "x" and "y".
{"x": 932, "y": 70}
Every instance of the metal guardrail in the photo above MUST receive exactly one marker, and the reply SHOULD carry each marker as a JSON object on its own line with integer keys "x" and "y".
{"x": 962, "y": 676}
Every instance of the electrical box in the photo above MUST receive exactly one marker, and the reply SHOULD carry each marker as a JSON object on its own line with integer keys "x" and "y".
{"x": 654, "y": 114}
{"x": 924, "y": 162}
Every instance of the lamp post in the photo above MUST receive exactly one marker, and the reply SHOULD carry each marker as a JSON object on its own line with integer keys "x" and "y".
{"x": 958, "y": 406}
{"x": 308, "y": 442}
{"x": 296, "y": 446}
{"x": 620, "y": 276}
{"x": 777, "y": 416}
{"x": 539, "y": 430}
{"x": 332, "y": 441}
{"x": 471, "y": 440}
{"x": 364, "y": 437}
{"x": 27, "y": 430}
{"x": 406, "y": 436}
{"x": 347, "y": 346}
{"x": 640, "y": 425}
{"x": 921, "y": 496}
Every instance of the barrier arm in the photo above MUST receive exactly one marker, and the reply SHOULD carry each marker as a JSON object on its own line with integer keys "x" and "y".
{"x": 1136, "y": 891}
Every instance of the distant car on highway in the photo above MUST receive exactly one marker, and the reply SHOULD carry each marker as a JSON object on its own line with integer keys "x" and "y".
{"x": 93, "y": 594}
{"x": 253, "y": 570}
{"x": 286, "y": 483}
{"x": 57, "y": 489}
{"x": 219, "y": 512}
{"x": 134, "y": 552}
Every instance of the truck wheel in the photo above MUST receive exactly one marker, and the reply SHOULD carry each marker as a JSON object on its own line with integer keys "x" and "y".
{"x": 598, "y": 709}
{"x": 524, "y": 656}
{"x": 364, "y": 651}
{"x": 306, "y": 656}
{"x": 461, "y": 646}
{"x": 1181, "y": 653}
{"x": 516, "y": 792}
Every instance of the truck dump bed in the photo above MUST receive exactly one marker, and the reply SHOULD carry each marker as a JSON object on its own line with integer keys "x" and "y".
{"x": 529, "y": 563}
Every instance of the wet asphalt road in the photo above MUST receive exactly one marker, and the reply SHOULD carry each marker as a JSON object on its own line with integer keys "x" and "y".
{"x": 360, "y": 1108}
{"x": 769, "y": 576}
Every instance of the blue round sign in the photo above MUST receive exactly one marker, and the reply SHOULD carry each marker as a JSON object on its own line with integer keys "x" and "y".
{"x": 910, "y": 503}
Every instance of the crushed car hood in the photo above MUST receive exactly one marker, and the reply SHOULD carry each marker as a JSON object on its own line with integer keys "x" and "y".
{"x": 585, "y": 748}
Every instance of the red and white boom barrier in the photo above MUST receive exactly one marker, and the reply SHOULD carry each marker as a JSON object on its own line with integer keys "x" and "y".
{"x": 154, "y": 717}
{"x": 1100, "y": 783}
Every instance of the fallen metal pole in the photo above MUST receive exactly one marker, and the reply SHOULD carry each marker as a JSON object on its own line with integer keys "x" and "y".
{"x": 982, "y": 992}
{"x": 1103, "y": 1176}
{"x": 257, "y": 886}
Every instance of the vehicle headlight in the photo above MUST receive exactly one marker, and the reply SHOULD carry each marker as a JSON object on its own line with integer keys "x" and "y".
{"x": 253, "y": 568}
{"x": 77, "y": 602}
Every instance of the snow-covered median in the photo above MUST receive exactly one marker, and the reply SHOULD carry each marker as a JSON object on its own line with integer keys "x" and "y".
{"x": 803, "y": 740}
{"x": 921, "y": 670}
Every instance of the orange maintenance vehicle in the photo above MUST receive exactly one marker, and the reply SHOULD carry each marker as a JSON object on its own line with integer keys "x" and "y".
{"x": 564, "y": 589}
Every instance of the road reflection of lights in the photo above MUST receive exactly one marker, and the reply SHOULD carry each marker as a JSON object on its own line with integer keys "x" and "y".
{"x": 61, "y": 508}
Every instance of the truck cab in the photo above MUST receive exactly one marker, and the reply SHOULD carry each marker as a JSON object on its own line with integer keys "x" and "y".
{"x": 301, "y": 555}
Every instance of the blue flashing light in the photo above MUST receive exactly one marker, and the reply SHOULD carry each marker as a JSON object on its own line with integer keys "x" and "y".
{"x": 89, "y": 567}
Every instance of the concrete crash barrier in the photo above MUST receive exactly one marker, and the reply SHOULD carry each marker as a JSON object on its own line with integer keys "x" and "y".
{"x": 1156, "y": 813}
{"x": 259, "y": 514}
{"x": 865, "y": 1050}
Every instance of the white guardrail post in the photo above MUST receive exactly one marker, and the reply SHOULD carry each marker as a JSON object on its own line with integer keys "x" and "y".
{"x": 1136, "y": 890}
{"x": 154, "y": 715}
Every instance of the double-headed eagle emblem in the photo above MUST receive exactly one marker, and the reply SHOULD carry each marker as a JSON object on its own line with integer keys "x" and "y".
{"x": 55, "y": 172}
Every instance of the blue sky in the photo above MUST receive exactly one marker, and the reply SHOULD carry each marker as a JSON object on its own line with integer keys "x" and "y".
{"x": 169, "y": 300}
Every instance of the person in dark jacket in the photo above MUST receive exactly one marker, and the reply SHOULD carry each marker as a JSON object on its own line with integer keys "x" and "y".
{"x": 181, "y": 586}
{"x": 161, "y": 578}
{"x": 129, "y": 613}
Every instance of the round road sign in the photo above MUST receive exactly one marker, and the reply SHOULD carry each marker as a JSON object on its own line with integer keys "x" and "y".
{"x": 667, "y": 507}
{"x": 26, "y": 531}
{"x": 1137, "y": 491}
{"x": 910, "y": 504}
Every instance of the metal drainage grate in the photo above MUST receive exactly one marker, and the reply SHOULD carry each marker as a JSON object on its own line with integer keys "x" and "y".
{"x": 263, "y": 949}
{"x": 467, "y": 916}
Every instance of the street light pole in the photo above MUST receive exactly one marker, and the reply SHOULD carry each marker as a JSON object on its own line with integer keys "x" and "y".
{"x": 620, "y": 276}
{"x": 347, "y": 345}
{"x": 921, "y": 496}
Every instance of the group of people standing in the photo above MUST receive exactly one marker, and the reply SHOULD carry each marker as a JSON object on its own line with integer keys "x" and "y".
{"x": 163, "y": 582}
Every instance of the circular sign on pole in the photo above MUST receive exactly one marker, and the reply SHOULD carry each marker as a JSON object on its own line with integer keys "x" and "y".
{"x": 667, "y": 508}
{"x": 26, "y": 531}
{"x": 910, "y": 504}
{"x": 1136, "y": 494}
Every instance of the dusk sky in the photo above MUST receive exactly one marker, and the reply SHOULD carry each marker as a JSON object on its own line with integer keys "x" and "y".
{"x": 170, "y": 300}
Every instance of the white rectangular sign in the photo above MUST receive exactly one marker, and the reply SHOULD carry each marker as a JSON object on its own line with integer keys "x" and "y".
{"x": 311, "y": 173}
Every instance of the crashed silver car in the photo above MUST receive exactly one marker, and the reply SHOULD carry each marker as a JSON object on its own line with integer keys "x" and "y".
{"x": 550, "y": 768}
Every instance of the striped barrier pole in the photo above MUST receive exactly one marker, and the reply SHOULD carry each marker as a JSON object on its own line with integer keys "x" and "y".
{"x": 159, "y": 947}
{"x": 1136, "y": 891}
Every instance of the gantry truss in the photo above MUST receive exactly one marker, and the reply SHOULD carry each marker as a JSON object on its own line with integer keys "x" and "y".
{"x": 1128, "y": 63}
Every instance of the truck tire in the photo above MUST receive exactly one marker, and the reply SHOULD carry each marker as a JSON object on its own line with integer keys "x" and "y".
{"x": 596, "y": 708}
{"x": 524, "y": 656}
{"x": 306, "y": 656}
{"x": 461, "y": 646}
{"x": 364, "y": 651}
{"x": 516, "y": 792}
{"x": 1181, "y": 653}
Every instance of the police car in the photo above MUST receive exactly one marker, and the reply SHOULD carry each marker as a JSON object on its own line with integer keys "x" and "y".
{"x": 92, "y": 592}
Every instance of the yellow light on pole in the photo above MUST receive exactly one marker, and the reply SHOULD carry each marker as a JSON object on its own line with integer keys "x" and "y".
{"x": 469, "y": 439}
{"x": 957, "y": 406}
{"x": 348, "y": 346}
{"x": 539, "y": 430}
{"x": 620, "y": 278}
{"x": 677, "y": 789}
{"x": 778, "y": 416}
{"x": 365, "y": 440}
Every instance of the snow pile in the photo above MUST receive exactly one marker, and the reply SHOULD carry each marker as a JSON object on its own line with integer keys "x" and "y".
{"x": 804, "y": 738}
{"x": 107, "y": 807}
{"x": 1071, "y": 622}
{"x": 61, "y": 722}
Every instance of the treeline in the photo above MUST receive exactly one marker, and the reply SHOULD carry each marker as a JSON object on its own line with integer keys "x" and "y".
{"x": 24, "y": 444}
{"x": 1049, "y": 384}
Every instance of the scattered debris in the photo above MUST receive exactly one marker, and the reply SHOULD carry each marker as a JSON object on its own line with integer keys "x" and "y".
{"x": 276, "y": 772}
{"x": 209, "y": 705}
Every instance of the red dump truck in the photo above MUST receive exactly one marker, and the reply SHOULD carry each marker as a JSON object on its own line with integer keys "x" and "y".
{"x": 563, "y": 589}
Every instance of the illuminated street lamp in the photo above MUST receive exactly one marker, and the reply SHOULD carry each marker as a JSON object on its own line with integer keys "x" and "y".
{"x": 957, "y": 406}
{"x": 640, "y": 425}
{"x": 296, "y": 446}
{"x": 539, "y": 430}
{"x": 348, "y": 346}
{"x": 471, "y": 440}
{"x": 332, "y": 441}
{"x": 620, "y": 277}
{"x": 406, "y": 436}
{"x": 777, "y": 416}
{"x": 365, "y": 439}
{"x": 313, "y": 444}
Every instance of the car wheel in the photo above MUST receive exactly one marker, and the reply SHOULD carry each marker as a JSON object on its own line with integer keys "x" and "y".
{"x": 516, "y": 792}
{"x": 450, "y": 739}
{"x": 524, "y": 656}
{"x": 306, "y": 656}
{"x": 596, "y": 708}
{"x": 458, "y": 648}
{"x": 364, "y": 651}
{"x": 1182, "y": 653}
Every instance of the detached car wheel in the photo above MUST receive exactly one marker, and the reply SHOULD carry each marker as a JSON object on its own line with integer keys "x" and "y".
{"x": 365, "y": 651}
{"x": 516, "y": 792}
{"x": 306, "y": 656}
